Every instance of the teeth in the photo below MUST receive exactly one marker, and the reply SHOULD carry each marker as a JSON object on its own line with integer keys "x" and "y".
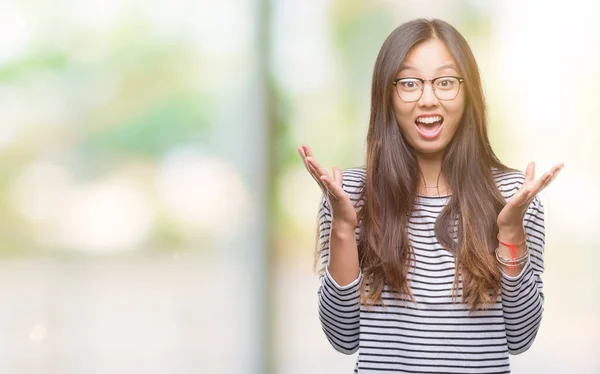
{"x": 429, "y": 120}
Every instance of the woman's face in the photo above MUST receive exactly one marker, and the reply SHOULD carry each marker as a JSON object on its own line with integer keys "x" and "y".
{"x": 428, "y": 124}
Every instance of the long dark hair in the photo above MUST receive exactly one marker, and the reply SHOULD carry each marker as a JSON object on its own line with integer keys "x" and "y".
{"x": 392, "y": 175}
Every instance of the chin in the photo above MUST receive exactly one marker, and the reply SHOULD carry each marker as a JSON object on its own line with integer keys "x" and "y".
{"x": 430, "y": 149}
{"x": 429, "y": 152}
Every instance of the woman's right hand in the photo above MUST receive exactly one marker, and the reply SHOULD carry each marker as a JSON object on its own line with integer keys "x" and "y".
{"x": 342, "y": 210}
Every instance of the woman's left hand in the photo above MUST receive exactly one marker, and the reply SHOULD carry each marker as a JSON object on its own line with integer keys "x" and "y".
{"x": 514, "y": 211}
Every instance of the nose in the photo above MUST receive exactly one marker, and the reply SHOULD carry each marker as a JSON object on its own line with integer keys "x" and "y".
{"x": 428, "y": 98}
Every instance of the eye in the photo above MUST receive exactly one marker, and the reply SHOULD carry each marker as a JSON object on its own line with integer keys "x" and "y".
{"x": 446, "y": 83}
{"x": 409, "y": 84}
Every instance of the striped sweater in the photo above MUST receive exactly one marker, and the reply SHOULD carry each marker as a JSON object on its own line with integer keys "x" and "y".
{"x": 433, "y": 335}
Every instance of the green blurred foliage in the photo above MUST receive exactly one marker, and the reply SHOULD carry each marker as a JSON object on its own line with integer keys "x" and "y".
{"x": 129, "y": 97}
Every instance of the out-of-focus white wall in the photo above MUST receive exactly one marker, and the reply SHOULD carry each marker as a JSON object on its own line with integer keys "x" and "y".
{"x": 544, "y": 74}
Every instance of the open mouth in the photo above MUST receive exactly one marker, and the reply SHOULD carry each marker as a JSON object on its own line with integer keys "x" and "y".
{"x": 429, "y": 127}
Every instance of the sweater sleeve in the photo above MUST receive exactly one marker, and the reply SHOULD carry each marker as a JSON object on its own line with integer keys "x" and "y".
{"x": 339, "y": 307}
{"x": 522, "y": 295}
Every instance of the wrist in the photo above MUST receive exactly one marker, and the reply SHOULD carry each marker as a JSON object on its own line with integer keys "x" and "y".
{"x": 343, "y": 228}
{"x": 511, "y": 234}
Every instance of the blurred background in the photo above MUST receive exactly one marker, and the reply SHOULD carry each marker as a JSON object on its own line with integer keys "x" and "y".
{"x": 155, "y": 216}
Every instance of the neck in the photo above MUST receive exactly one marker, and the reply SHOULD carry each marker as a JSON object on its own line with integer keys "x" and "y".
{"x": 430, "y": 166}
{"x": 431, "y": 180}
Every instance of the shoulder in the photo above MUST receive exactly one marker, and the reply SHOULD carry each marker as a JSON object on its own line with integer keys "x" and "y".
{"x": 353, "y": 181}
{"x": 510, "y": 181}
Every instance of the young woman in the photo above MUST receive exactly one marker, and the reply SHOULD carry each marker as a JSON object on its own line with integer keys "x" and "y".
{"x": 432, "y": 254}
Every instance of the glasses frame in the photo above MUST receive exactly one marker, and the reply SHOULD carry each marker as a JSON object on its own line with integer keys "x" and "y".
{"x": 432, "y": 81}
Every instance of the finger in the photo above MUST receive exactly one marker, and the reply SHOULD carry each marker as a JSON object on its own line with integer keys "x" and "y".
{"x": 550, "y": 179}
{"x": 340, "y": 178}
{"x": 522, "y": 197}
{"x": 316, "y": 176}
{"x": 549, "y": 176}
{"x": 542, "y": 183}
{"x": 537, "y": 186}
{"x": 307, "y": 150}
{"x": 301, "y": 151}
{"x": 529, "y": 172}
{"x": 335, "y": 181}
{"x": 530, "y": 196}
{"x": 319, "y": 179}
{"x": 303, "y": 155}
{"x": 318, "y": 168}
{"x": 545, "y": 179}
{"x": 335, "y": 190}
{"x": 337, "y": 176}
{"x": 312, "y": 171}
{"x": 556, "y": 170}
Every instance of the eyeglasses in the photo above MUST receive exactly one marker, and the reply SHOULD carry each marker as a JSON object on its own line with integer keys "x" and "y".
{"x": 411, "y": 89}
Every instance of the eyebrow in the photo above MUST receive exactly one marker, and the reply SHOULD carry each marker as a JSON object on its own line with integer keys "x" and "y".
{"x": 448, "y": 65}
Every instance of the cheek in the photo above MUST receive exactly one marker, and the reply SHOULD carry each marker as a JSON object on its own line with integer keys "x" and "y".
{"x": 455, "y": 114}
{"x": 460, "y": 104}
{"x": 403, "y": 113}
{"x": 455, "y": 110}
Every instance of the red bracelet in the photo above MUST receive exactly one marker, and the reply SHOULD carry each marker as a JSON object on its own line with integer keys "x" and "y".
{"x": 513, "y": 248}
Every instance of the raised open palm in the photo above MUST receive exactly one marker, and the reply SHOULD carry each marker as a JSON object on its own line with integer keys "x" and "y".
{"x": 342, "y": 209}
{"x": 513, "y": 212}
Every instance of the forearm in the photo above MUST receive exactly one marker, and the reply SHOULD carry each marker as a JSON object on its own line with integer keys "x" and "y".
{"x": 343, "y": 254}
{"x": 339, "y": 313}
{"x": 339, "y": 292}
{"x": 523, "y": 306}
{"x": 522, "y": 297}
{"x": 339, "y": 295}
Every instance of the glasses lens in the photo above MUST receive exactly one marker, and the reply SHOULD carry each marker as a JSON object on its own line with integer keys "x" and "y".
{"x": 446, "y": 88}
{"x": 409, "y": 89}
